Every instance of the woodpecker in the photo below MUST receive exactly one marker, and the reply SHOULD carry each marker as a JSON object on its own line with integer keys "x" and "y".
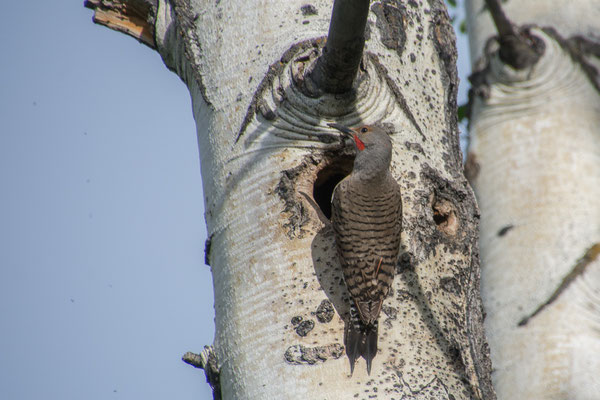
{"x": 366, "y": 214}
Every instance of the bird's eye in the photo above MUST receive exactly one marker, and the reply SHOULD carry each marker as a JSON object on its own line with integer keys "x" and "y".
{"x": 364, "y": 130}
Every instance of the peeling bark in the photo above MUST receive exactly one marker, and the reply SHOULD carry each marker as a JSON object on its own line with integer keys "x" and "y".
{"x": 135, "y": 18}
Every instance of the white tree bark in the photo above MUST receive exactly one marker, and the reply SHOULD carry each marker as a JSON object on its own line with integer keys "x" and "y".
{"x": 268, "y": 158}
{"x": 535, "y": 161}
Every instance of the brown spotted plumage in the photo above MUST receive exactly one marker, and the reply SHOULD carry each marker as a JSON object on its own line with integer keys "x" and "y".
{"x": 366, "y": 216}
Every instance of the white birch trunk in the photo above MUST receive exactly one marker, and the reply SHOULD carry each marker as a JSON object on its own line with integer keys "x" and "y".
{"x": 536, "y": 146}
{"x": 280, "y": 301}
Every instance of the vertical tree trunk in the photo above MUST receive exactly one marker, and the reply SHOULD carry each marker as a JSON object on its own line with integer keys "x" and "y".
{"x": 534, "y": 162}
{"x": 269, "y": 165}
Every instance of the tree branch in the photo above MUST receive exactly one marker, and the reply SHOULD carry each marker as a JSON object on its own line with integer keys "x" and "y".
{"x": 336, "y": 68}
{"x": 207, "y": 360}
{"x": 134, "y": 17}
{"x": 518, "y": 48}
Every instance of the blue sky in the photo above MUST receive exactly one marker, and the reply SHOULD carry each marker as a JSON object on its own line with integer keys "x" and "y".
{"x": 103, "y": 285}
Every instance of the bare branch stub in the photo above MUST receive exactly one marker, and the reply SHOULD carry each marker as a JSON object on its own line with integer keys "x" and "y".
{"x": 518, "y": 48}
{"x": 133, "y": 17}
{"x": 336, "y": 67}
{"x": 206, "y": 360}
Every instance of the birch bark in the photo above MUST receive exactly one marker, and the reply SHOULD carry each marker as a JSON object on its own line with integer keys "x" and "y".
{"x": 534, "y": 160}
{"x": 269, "y": 164}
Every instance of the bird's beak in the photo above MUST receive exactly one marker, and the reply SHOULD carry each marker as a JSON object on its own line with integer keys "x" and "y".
{"x": 345, "y": 130}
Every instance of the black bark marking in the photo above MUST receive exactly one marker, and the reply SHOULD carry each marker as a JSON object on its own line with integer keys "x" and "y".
{"x": 479, "y": 347}
{"x": 391, "y": 313}
{"x": 405, "y": 262}
{"x": 450, "y": 284}
{"x": 472, "y": 167}
{"x": 400, "y": 100}
{"x": 505, "y": 230}
{"x": 579, "y": 48}
{"x": 308, "y": 9}
{"x": 266, "y": 83}
{"x": 207, "y": 245}
{"x": 305, "y": 327}
{"x": 590, "y": 255}
{"x": 442, "y": 33}
{"x": 325, "y": 312}
{"x": 391, "y": 22}
{"x": 414, "y": 146}
{"x": 299, "y": 354}
{"x": 185, "y": 26}
{"x": 444, "y": 41}
{"x": 266, "y": 111}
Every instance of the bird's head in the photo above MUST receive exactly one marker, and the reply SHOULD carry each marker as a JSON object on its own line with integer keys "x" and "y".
{"x": 373, "y": 145}
{"x": 366, "y": 136}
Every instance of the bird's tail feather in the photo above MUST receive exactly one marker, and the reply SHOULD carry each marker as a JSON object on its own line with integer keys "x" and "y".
{"x": 361, "y": 340}
{"x": 369, "y": 310}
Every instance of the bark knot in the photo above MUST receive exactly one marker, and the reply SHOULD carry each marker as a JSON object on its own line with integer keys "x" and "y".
{"x": 300, "y": 354}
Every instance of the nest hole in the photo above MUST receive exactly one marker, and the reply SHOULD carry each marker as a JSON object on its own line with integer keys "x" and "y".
{"x": 439, "y": 217}
{"x": 327, "y": 179}
{"x": 444, "y": 216}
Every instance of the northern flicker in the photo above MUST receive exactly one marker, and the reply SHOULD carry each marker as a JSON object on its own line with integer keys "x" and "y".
{"x": 366, "y": 213}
